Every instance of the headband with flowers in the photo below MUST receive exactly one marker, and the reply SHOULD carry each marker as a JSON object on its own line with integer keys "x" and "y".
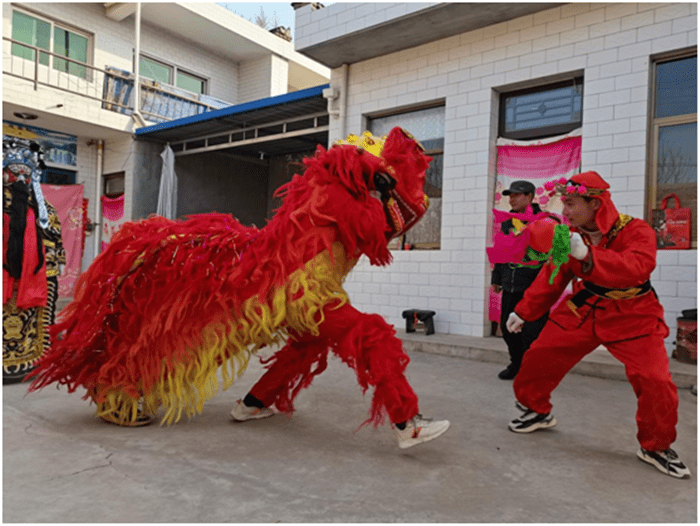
{"x": 568, "y": 187}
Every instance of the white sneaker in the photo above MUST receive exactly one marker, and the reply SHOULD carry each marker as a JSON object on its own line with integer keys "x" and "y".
{"x": 419, "y": 429}
{"x": 242, "y": 412}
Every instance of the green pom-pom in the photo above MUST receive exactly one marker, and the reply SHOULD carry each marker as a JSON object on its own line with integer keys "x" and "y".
{"x": 561, "y": 248}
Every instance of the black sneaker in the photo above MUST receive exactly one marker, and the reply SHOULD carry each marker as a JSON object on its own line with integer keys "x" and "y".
{"x": 531, "y": 421}
{"x": 666, "y": 462}
{"x": 508, "y": 373}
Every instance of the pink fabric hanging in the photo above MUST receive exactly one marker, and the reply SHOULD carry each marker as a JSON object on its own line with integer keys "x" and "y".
{"x": 540, "y": 160}
{"x": 112, "y": 217}
{"x": 68, "y": 202}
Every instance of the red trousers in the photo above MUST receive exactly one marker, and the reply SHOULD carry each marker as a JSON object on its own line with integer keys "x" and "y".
{"x": 365, "y": 342}
{"x": 557, "y": 350}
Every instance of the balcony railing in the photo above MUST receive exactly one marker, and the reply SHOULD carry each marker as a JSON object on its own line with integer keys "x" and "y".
{"x": 112, "y": 87}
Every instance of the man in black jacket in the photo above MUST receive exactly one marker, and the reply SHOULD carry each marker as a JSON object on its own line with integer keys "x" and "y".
{"x": 513, "y": 279}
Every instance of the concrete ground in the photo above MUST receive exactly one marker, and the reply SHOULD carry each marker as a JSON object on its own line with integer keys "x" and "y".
{"x": 60, "y": 464}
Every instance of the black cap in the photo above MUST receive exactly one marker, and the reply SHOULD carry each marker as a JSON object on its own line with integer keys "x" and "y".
{"x": 520, "y": 187}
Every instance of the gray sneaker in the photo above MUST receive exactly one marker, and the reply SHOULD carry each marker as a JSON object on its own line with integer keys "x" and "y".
{"x": 666, "y": 462}
{"x": 531, "y": 421}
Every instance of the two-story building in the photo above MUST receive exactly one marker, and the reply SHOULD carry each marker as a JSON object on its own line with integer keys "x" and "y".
{"x": 467, "y": 78}
{"x": 69, "y": 73}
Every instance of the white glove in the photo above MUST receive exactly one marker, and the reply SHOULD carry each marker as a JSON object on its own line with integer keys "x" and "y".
{"x": 579, "y": 249}
{"x": 61, "y": 266}
{"x": 514, "y": 323}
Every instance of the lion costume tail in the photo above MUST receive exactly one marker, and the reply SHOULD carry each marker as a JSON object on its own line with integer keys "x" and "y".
{"x": 134, "y": 331}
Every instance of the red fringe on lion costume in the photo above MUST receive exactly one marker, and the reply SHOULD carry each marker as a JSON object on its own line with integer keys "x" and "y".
{"x": 169, "y": 303}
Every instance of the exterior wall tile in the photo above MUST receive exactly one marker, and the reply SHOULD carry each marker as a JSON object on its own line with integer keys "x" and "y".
{"x": 596, "y": 16}
{"x": 571, "y": 10}
{"x": 617, "y": 11}
{"x": 663, "y": 29}
{"x": 671, "y": 12}
{"x": 638, "y": 20}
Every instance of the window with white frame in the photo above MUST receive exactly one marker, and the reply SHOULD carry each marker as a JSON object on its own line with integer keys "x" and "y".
{"x": 427, "y": 125}
{"x": 674, "y": 130}
{"x": 51, "y": 36}
{"x": 170, "y": 74}
{"x": 542, "y": 111}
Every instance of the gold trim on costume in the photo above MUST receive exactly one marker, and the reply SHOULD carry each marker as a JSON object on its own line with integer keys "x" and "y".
{"x": 623, "y": 294}
{"x": 621, "y": 223}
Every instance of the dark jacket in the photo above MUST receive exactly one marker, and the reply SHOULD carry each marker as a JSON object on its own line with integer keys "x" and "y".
{"x": 510, "y": 276}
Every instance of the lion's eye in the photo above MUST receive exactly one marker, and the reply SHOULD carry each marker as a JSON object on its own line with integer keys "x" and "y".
{"x": 383, "y": 182}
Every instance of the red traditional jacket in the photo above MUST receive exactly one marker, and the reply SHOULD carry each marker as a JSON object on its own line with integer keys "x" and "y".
{"x": 618, "y": 267}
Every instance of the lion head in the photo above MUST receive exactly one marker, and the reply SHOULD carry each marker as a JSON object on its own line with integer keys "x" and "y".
{"x": 362, "y": 191}
{"x": 398, "y": 177}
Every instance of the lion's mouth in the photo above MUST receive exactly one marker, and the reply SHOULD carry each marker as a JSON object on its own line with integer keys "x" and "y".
{"x": 401, "y": 215}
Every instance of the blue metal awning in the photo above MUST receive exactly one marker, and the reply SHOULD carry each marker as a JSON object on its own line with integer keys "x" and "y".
{"x": 293, "y": 121}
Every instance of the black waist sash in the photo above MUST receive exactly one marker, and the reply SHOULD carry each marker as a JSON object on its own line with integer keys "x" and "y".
{"x": 591, "y": 289}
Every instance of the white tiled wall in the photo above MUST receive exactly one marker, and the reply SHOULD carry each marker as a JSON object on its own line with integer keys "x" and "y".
{"x": 280, "y": 74}
{"x": 340, "y": 18}
{"x": 610, "y": 43}
{"x": 262, "y": 78}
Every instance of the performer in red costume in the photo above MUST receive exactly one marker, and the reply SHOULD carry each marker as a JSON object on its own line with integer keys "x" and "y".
{"x": 612, "y": 304}
{"x": 137, "y": 343}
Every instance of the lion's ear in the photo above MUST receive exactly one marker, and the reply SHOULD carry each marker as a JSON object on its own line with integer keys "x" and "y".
{"x": 401, "y": 147}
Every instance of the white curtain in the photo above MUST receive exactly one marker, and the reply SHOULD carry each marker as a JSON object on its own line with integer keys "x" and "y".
{"x": 167, "y": 195}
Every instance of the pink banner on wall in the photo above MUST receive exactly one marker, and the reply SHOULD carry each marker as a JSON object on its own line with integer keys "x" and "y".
{"x": 68, "y": 202}
{"x": 539, "y": 160}
{"x": 112, "y": 217}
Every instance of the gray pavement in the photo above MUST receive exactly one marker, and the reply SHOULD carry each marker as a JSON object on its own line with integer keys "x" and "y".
{"x": 60, "y": 464}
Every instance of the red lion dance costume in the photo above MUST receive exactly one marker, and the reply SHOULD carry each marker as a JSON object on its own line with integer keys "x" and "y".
{"x": 169, "y": 303}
